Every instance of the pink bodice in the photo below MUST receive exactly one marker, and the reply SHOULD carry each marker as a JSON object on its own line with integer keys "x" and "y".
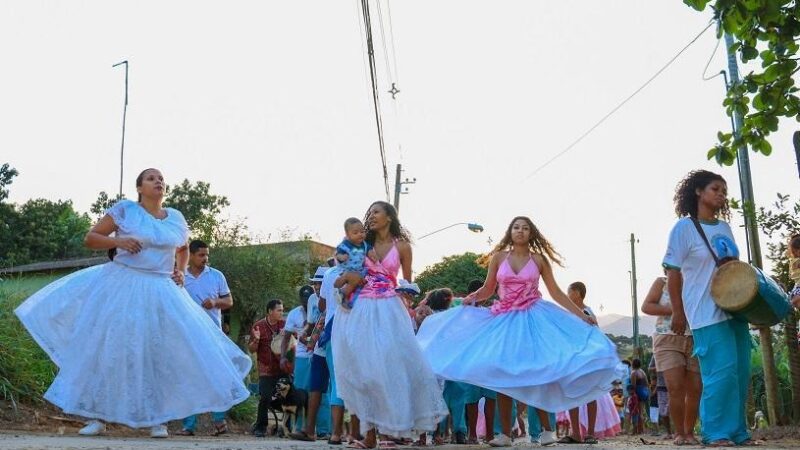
{"x": 381, "y": 279}
{"x": 517, "y": 291}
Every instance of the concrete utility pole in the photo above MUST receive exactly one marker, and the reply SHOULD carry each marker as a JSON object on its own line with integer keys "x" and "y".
{"x": 398, "y": 186}
{"x": 124, "y": 116}
{"x": 751, "y": 229}
{"x": 637, "y": 350}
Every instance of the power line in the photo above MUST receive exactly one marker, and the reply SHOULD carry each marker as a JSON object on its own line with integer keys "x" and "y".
{"x": 620, "y": 105}
{"x": 375, "y": 96}
{"x": 391, "y": 40}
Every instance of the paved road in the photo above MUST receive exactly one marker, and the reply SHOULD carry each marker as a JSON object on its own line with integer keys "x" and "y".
{"x": 19, "y": 440}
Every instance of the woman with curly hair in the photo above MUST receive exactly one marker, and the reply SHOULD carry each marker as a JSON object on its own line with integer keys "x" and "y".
{"x": 380, "y": 373}
{"x": 721, "y": 342}
{"x": 523, "y": 347}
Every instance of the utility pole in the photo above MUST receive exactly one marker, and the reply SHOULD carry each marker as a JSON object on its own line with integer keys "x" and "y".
{"x": 637, "y": 350}
{"x": 754, "y": 246}
{"x": 796, "y": 140}
{"x": 398, "y": 186}
{"x": 124, "y": 116}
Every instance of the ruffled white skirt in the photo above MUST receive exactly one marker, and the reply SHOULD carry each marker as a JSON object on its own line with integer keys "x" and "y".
{"x": 133, "y": 348}
{"x": 381, "y": 374}
{"x": 543, "y": 356}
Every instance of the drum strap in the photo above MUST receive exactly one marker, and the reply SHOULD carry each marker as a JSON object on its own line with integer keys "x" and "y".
{"x": 705, "y": 239}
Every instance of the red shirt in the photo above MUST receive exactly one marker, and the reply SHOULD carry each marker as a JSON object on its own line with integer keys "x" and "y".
{"x": 268, "y": 363}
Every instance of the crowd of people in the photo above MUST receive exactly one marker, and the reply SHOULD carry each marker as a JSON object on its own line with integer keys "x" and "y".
{"x": 362, "y": 345}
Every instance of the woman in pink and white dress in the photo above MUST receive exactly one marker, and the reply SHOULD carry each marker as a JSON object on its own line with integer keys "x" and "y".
{"x": 523, "y": 347}
{"x": 381, "y": 374}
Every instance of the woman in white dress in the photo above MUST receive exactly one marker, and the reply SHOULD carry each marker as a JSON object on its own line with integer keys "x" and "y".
{"x": 131, "y": 345}
{"x": 523, "y": 347}
{"x": 380, "y": 372}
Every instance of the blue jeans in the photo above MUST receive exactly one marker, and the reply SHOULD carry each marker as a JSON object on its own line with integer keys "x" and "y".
{"x": 723, "y": 350}
{"x": 190, "y": 423}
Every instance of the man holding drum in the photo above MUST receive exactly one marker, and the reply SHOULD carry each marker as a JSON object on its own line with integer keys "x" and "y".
{"x": 721, "y": 342}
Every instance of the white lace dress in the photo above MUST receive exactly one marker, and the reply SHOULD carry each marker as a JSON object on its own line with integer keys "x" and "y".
{"x": 132, "y": 347}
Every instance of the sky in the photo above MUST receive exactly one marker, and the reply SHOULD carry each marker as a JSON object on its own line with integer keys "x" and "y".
{"x": 270, "y": 102}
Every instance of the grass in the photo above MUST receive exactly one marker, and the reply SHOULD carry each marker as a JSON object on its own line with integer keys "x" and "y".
{"x": 25, "y": 369}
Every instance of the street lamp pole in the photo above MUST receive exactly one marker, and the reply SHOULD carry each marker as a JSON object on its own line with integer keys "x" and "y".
{"x": 124, "y": 116}
{"x": 474, "y": 227}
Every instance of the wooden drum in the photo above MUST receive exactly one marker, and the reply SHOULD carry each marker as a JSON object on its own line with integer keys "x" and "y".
{"x": 744, "y": 291}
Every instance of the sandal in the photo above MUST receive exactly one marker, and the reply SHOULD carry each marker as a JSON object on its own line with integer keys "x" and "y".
{"x": 387, "y": 444}
{"x": 302, "y": 436}
{"x": 569, "y": 440}
{"x": 359, "y": 445}
{"x": 219, "y": 429}
{"x": 590, "y": 440}
{"x": 721, "y": 443}
{"x": 335, "y": 442}
{"x": 185, "y": 432}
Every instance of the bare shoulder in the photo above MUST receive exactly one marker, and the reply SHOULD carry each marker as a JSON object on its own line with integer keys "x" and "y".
{"x": 403, "y": 246}
{"x": 540, "y": 260}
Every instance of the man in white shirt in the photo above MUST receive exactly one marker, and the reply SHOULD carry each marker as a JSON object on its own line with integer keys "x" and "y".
{"x": 296, "y": 325}
{"x": 209, "y": 289}
{"x": 322, "y": 374}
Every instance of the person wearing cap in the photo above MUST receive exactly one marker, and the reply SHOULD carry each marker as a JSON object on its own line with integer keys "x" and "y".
{"x": 296, "y": 326}
{"x": 408, "y": 292}
{"x": 322, "y": 382}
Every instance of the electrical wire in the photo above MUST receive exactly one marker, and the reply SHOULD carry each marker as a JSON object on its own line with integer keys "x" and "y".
{"x": 620, "y": 105}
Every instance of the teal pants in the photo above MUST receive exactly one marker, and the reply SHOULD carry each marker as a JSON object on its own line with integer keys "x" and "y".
{"x": 535, "y": 426}
{"x": 498, "y": 428}
{"x": 190, "y": 423}
{"x": 723, "y": 350}
{"x": 455, "y": 396}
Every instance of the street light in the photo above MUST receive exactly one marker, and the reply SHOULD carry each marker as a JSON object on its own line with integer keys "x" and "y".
{"x": 474, "y": 227}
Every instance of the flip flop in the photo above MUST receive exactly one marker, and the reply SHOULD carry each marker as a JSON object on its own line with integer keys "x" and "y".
{"x": 590, "y": 440}
{"x": 749, "y": 443}
{"x": 185, "y": 433}
{"x": 721, "y": 443}
{"x": 387, "y": 444}
{"x": 219, "y": 430}
{"x": 569, "y": 440}
{"x": 332, "y": 442}
{"x": 359, "y": 445}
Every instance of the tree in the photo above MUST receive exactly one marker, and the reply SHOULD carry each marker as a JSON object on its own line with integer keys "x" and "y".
{"x": 773, "y": 27}
{"x": 199, "y": 206}
{"x": 7, "y": 174}
{"x": 103, "y": 202}
{"x": 45, "y": 230}
{"x": 454, "y": 272}
{"x": 779, "y": 224}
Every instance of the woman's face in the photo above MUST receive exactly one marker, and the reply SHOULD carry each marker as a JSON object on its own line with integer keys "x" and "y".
{"x": 152, "y": 184}
{"x": 377, "y": 219}
{"x": 520, "y": 232}
{"x": 714, "y": 195}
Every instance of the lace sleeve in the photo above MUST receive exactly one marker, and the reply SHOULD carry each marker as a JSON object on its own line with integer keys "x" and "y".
{"x": 119, "y": 212}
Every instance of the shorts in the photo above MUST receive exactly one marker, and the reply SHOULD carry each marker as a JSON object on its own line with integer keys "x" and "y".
{"x": 673, "y": 351}
{"x": 320, "y": 376}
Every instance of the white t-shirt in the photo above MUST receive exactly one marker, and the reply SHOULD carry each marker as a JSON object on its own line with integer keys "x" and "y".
{"x": 329, "y": 292}
{"x": 687, "y": 252}
{"x": 211, "y": 283}
{"x": 295, "y": 323}
{"x": 313, "y": 308}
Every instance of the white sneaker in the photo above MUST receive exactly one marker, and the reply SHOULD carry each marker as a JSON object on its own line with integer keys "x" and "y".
{"x": 159, "y": 431}
{"x": 547, "y": 437}
{"x": 92, "y": 428}
{"x": 501, "y": 440}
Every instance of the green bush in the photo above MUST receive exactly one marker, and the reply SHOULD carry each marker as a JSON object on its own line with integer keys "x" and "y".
{"x": 25, "y": 369}
{"x": 245, "y": 412}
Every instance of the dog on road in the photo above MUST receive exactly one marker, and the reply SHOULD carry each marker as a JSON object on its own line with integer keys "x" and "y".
{"x": 292, "y": 402}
